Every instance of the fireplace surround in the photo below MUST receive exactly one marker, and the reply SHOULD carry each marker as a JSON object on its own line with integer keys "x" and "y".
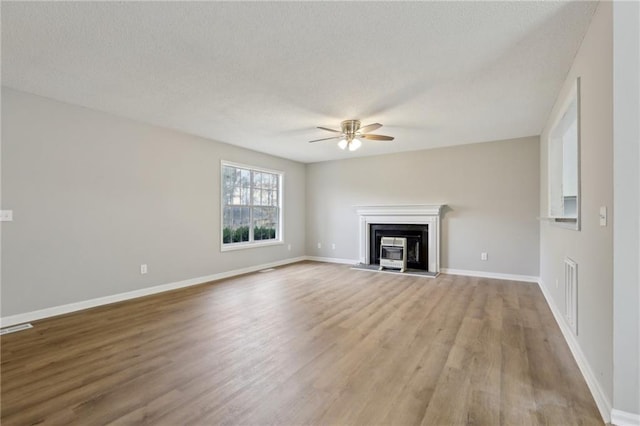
{"x": 426, "y": 215}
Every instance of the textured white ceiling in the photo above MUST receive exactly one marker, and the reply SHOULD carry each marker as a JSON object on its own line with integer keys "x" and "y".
{"x": 263, "y": 75}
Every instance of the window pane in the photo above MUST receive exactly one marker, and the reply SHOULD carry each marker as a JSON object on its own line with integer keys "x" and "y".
{"x": 257, "y": 197}
{"x": 236, "y": 176}
{"x": 236, "y": 195}
{"x": 226, "y": 226}
{"x": 265, "y": 221}
{"x": 245, "y": 196}
{"x": 228, "y": 180}
{"x": 236, "y": 221}
{"x": 257, "y": 180}
{"x": 245, "y": 177}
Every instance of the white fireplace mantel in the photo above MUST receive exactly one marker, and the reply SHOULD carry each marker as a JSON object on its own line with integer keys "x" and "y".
{"x": 420, "y": 214}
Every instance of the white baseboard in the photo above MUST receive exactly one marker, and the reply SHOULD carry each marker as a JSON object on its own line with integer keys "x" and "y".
{"x": 623, "y": 418}
{"x": 464, "y": 272}
{"x": 92, "y": 303}
{"x": 603, "y": 403}
{"x": 495, "y": 275}
{"x": 332, "y": 260}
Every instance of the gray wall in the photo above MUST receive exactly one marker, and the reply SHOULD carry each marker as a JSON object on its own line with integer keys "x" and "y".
{"x": 592, "y": 246}
{"x": 95, "y": 195}
{"x": 491, "y": 190}
{"x": 626, "y": 234}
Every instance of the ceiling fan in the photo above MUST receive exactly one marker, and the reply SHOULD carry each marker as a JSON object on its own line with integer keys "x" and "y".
{"x": 351, "y": 134}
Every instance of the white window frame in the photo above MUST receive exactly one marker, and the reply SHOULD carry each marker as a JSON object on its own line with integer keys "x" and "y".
{"x": 252, "y": 244}
{"x": 561, "y": 220}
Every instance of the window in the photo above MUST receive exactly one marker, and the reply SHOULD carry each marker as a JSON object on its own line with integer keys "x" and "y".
{"x": 564, "y": 163}
{"x": 251, "y": 206}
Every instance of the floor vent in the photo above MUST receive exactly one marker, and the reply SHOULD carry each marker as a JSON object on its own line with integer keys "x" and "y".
{"x": 571, "y": 294}
{"x": 267, "y": 270}
{"x": 15, "y": 328}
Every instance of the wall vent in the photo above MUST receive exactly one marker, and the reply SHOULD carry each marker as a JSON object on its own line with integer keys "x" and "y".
{"x": 15, "y": 328}
{"x": 571, "y": 294}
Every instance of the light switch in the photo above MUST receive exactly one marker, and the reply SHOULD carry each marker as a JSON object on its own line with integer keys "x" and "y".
{"x": 603, "y": 216}
{"x": 6, "y": 215}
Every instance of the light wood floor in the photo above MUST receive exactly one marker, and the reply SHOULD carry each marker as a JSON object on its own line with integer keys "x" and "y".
{"x": 310, "y": 343}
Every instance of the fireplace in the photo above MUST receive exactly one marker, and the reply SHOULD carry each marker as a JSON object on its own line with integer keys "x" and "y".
{"x": 417, "y": 242}
{"x": 423, "y": 239}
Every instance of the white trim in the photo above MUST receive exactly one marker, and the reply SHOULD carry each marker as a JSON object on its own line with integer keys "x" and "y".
{"x": 494, "y": 275}
{"x": 603, "y": 403}
{"x": 463, "y": 272}
{"x": 574, "y": 93}
{"x": 252, "y": 243}
{"x": 400, "y": 210}
{"x": 250, "y": 167}
{"x": 624, "y": 418}
{"x": 91, "y": 303}
{"x": 331, "y": 260}
{"x": 571, "y": 294}
{"x": 15, "y": 328}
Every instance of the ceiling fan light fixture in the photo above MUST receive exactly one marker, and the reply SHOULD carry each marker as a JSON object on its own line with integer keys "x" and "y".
{"x": 351, "y": 134}
{"x": 355, "y": 144}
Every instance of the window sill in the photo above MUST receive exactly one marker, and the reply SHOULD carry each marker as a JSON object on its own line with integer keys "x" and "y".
{"x": 566, "y": 224}
{"x": 253, "y": 244}
{"x": 563, "y": 222}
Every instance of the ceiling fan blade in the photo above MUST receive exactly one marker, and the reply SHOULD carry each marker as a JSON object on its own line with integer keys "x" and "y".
{"x": 326, "y": 139}
{"x": 329, "y": 130}
{"x": 369, "y": 128}
{"x": 377, "y": 137}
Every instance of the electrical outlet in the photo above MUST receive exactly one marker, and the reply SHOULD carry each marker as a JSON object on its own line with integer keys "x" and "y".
{"x": 6, "y": 215}
{"x": 603, "y": 216}
{"x": 289, "y": 247}
{"x": 333, "y": 246}
{"x": 319, "y": 245}
{"x": 143, "y": 269}
{"x": 484, "y": 256}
